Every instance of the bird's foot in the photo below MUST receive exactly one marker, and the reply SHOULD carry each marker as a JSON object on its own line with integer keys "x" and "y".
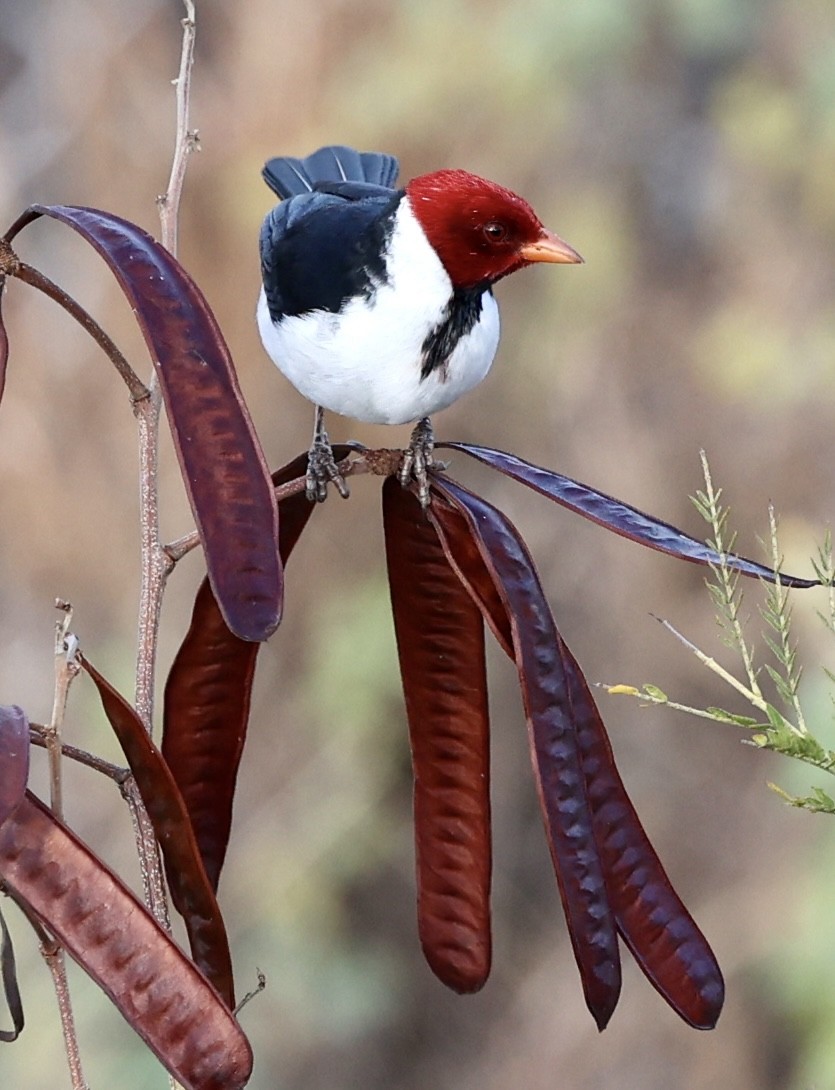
{"x": 418, "y": 458}
{"x": 322, "y": 469}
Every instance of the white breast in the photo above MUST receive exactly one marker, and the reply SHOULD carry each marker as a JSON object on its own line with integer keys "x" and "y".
{"x": 365, "y": 361}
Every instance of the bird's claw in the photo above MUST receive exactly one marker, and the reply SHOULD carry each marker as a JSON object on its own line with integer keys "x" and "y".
{"x": 418, "y": 459}
{"x": 321, "y": 469}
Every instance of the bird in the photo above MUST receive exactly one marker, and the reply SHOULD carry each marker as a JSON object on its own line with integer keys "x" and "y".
{"x": 376, "y": 301}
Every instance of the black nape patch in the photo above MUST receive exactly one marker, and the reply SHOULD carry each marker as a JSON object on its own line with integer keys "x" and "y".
{"x": 462, "y": 313}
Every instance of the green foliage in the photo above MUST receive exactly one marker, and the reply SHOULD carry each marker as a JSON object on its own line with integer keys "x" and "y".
{"x": 785, "y": 732}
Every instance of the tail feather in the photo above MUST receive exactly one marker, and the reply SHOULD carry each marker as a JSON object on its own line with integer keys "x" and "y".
{"x": 379, "y": 168}
{"x": 288, "y": 177}
{"x": 335, "y": 164}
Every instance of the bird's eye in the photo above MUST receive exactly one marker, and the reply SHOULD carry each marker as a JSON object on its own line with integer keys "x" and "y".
{"x": 495, "y": 232}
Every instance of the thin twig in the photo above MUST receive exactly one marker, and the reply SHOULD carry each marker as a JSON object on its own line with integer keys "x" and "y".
{"x": 382, "y": 462}
{"x": 146, "y": 845}
{"x": 36, "y": 279}
{"x": 260, "y": 985}
{"x": 651, "y": 695}
{"x": 66, "y": 669}
{"x": 118, "y": 773}
{"x": 186, "y": 140}
{"x": 156, "y": 564}
{"x": 754, "y": 697}
{"x": 53, "y": 955}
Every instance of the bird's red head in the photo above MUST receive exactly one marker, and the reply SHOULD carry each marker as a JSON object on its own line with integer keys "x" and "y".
{"x": 481, "y": 231}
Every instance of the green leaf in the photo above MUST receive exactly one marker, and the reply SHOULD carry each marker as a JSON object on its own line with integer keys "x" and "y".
{"x": 817, "y": 803}
{"x": 655, "y": 694}
{"x": 722, "y": 716}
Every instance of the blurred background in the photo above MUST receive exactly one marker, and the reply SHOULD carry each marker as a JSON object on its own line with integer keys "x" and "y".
{"x": 687, "y": 149}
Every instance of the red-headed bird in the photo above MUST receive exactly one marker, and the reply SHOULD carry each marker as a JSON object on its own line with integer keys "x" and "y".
{"x": 377, "y": 302}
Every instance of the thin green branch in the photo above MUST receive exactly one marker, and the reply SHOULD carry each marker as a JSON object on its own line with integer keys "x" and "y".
{"x": 786, "y": 734}
{"x": 725, "y": 590}
{"x": 777, "y": 614}
{"x": 824, "y": 567}
{"x": 751, "y": 693}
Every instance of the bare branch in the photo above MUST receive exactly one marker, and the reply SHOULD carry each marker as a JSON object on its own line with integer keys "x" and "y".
{"x": 149, "y": 861}
{"x": 53, "y": 954}
{"x": 117, "y": 773}
{"x": 381, "y": 463}
{"x": 156, "y": 564}
{"x": 186, "y": 141}
{"x": 66, "y": 669}
{"x": 36, "y": 279}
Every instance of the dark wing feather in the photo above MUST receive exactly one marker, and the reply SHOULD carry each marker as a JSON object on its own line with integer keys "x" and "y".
{"x": 353, "y": 191}
{"x": 319, "y": 250}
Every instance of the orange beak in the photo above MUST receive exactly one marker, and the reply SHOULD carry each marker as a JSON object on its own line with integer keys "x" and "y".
{"x": 549, "y": 247}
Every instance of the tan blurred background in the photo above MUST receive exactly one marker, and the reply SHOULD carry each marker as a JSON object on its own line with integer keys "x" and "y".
{"x": 687, "y": 149}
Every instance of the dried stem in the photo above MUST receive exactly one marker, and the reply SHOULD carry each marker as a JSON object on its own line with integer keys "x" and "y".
{"x": 53, "y": 955}
{"x": 382, "y": 462}
{"x": 66, "y": 669}
{"x": 155, "y": 562}
{"x": 186, "y": 140}
{"x": 148, "y": 852}
{"x": 36, "y": 279}
{"x": 38, "y": 737}
{"x": 260, "y": 985}
{"x": 143, "y": 831}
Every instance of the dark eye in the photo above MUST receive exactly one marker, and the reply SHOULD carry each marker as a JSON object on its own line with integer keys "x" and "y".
{"x": 495, "y": 232}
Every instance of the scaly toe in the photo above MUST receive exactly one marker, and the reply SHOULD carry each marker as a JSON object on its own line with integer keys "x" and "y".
{"x": 418, "y": 459}
{"x": 322, "y": 468}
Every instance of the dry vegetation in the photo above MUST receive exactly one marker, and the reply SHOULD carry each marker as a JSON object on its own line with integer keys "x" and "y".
{"x": 688, "y": 154}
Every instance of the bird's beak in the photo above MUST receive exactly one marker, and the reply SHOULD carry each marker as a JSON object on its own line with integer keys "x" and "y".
{"x": 549, "y": 247}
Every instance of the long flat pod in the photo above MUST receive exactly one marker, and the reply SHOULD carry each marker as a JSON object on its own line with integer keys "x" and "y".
{"x": 14, "y": 758}
{"x": 14, "y": 772}
{"x": 440, "y": 643}
{"x": 650, "y": 916}
{"x": 652, "y": 919}
{"x": 617, "y": 516}
{"x": 4, "y": 341}
{"x": 555, "y": 752}
{"x": 191, "y": 892}
{"x": 11, "y": 992}
{"x": 113, "y": 937}
{"x": 222, "y": 464}
{"x": 208, "y": 692}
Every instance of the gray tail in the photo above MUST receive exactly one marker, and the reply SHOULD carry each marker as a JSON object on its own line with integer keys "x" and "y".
{"x": 287, "y": 177}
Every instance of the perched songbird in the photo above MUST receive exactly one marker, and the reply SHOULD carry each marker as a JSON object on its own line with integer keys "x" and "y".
{"x": 377, "y": 302}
